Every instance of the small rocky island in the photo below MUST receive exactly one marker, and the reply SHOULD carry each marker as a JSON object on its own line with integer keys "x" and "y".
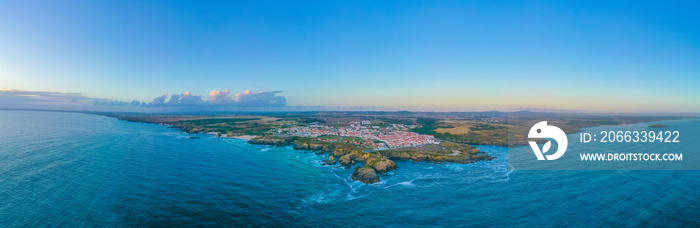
{"x": 657, "y": 126}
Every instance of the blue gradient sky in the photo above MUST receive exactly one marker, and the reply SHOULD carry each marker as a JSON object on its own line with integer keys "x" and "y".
{"x": 603, "y": 56}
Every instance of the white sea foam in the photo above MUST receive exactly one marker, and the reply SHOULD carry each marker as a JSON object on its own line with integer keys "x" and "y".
{"x": 404, "y": 183}
{"x": 351, "y": 197}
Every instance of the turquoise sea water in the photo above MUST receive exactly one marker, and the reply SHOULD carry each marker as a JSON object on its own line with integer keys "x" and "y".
{"x": 70, "y": 169}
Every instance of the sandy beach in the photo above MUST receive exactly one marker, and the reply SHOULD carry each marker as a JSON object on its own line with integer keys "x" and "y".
{"x": 244, "y": 137}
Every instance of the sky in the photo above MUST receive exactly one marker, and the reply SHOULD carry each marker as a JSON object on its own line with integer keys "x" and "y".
{"x": 592, "y": 56}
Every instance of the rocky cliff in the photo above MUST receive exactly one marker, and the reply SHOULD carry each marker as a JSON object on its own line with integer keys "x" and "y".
{"x": 272, "y": 140}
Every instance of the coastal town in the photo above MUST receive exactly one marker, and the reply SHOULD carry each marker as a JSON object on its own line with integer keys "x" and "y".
{"x": 364, "y": 134}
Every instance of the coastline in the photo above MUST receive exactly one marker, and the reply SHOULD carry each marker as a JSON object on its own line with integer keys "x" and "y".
{"x": 418, "y": 180}
{"x": 375, "y": 163}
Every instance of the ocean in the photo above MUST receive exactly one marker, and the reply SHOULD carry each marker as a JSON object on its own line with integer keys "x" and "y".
{"x": 81, "y": 170}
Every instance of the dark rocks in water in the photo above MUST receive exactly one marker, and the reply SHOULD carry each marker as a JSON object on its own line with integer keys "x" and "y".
{"x": 347, "y": 160}
{"x": 365, "y": 174}
{"x": 657, "y": 126}
{"x": 194, "y": 137}
{"x": 382, "y": 165}
{"x": 330, "y": 161}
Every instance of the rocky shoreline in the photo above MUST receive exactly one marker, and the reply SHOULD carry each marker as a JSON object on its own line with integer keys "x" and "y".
{"x": 343, "y": 154}
{"x": 347, "y": 155}
{"x": 377, "y": 163}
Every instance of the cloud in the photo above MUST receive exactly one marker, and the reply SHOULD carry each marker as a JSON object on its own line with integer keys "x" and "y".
{"x": 219, "y": 97}
{"x": 159, "y": 100}
{"x": 13, "y": 94}
{"x": 188, "y": 99}
{"x": 18, "y": 99}
{"x": 12, "y": 98}
{"x": 261, "y": 98}
{"x": 222, "y": 98}
{"x": 176, "y": 100}
{"x": 217, "y": 100}
{"x": 116, "y": 103}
